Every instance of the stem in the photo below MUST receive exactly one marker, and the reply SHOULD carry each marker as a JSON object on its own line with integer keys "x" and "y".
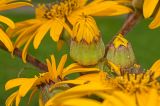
{"x": 30, "y": 59}
{"x": 129, "y": 23}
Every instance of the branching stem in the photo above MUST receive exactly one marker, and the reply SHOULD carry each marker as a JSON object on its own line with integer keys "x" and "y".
{"x": 30, "y": 59}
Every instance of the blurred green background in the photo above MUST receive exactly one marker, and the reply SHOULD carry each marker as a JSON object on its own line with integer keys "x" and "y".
{"x": 145, "y": 42}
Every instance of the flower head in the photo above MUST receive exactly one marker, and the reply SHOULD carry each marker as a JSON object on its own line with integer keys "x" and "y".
{"x": 44, "y": 80}
{"x": 129, "y": 89}
{"x": 120, "y": 55}
{"x": 139, "y": 87}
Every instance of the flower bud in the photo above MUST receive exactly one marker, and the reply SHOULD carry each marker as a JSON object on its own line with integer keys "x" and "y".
{"x": 120, "y": 53}
{"x": 86, "y": 47}
{"x": 87, "y": 54}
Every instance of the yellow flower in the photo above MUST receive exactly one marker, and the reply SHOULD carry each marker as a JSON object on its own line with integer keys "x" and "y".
{"x": 6, "y": 5}
{"x": 86, "y": 85}
{"x": 55, "y": 17}
{"x": 152, "y": 8}
{"x": 138, "y": 89}
{"x": 44, "y": 80}
{"x": 141, "y": 88}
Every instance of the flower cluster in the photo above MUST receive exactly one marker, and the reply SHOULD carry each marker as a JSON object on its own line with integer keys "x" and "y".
{"x": 107, "y": 75}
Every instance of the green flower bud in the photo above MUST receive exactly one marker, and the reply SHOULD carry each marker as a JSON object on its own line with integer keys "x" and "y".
{"x": 120, "y": 53}
{"x": 87, "y": 54}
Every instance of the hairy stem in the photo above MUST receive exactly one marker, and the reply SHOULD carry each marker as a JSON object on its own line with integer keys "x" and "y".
{"x": 30, "y": 59}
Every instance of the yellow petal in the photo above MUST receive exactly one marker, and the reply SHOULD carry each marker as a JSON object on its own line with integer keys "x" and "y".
{"x": 114, "y": 68}
{"x": 156, "y": 22}
{"x": 18, "y": 99}
{"x": 77, "y": 91}
{"x": 21, "y": 27}
{"x": 41, "y": 33}
{"x": 25, "y": 35}
{"x": 155, "y": 69}
{"x": 91, "y": 77}
{"x": 153, "y": 98}
{"x": 117, "y": 98}
{"x": 14, "y": 5}
{"x": 7, "y": 1}
{"x": 24, "y": 52}
{"x": 73, "y": 66}
{"x": 75, "y": 82}
{"x": 53, "y": 60}
{"x": 54, "y": 71}
{"x": 147, "y": 99}
{"x": 32, "y": 94}
{"x": 149, "y": 7}
{"x": 88, "y": 88}
{"x": 40, "y": 100}
{"x": 60, "y": 44}
{"x": 6, "y": 41}
{"x": 61, "y": 100}
{"x": 26, "y": 86}
{"x": 61, "y": 64}
{"x": 10, "y": 100}
{"x": 14, "y": 82}
{"x": 7, "y": 21}
{"x": 52, "y": 67}
{"x": 56, "y": 30}
{"x": 22, "y": 39}
{"x": 81, "y": 102}
{"x": 49, "y": 66}
{"x": 114, "y": 11}
{"x": 98, "y": 7}
{"x": 78, "y": 30}
{"x": 67, "y": 72}
{"x": 120, "y": 41}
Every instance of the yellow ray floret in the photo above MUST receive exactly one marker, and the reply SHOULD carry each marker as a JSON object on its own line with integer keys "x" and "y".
{"x": 114, "y": 67}
{"x": 120, "y": 41}
{"x": 6, "y": 41}
{"x": 86, "y": 30}
{"x": 149, "y": 7}
{"x": 156, "y": 22}
{"x": 152, "y": 8}
{"x": 11, "y": 4}
{"x": 155, "y": 69}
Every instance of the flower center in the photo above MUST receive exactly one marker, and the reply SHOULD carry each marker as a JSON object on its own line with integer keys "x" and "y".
{"x": 131, "y": 82}
{"x": 57, "y": 10}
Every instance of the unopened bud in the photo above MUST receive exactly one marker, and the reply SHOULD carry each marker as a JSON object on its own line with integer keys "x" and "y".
{"x": 87, "y": 54}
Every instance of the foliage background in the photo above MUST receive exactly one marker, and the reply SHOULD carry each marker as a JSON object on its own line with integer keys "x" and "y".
{"x": 145, "y": 42}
